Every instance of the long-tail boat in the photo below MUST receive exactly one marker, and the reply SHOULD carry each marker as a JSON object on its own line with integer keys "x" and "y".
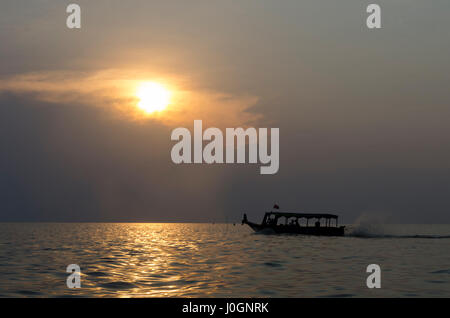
{"x": 324, "y": 224}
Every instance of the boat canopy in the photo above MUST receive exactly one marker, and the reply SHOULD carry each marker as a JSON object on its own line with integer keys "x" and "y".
{"x": 303, "y": 215}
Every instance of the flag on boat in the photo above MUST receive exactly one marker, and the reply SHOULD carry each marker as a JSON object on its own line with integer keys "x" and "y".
{"x": 275, "y": 206}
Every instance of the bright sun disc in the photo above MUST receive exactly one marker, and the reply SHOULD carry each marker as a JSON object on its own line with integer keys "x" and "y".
{"x": 152, "y": 97}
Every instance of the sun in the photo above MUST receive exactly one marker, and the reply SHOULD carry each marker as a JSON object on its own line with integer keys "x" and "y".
{"x": 153, "y": 97}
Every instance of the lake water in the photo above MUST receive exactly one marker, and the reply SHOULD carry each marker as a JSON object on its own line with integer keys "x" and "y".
{"x": 220, "y": 260}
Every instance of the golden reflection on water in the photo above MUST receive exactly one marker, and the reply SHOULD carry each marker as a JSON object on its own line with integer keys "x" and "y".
{"x": 203, "y": 260}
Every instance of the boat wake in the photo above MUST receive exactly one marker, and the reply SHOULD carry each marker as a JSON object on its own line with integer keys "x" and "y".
{"x": 376, "y": 229}
{"x": 419, "y": 236}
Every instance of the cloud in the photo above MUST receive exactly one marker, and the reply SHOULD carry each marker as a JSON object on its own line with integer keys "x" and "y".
{"x": 116, "y": 89}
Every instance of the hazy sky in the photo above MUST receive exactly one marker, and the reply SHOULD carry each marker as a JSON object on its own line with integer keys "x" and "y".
{"x": 363, "y": 114}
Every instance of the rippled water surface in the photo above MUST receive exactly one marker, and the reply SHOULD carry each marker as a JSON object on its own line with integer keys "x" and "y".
{"x": 220, "y": 260}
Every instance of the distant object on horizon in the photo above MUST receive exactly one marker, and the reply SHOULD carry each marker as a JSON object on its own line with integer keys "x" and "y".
{"x": 271, "y": 224}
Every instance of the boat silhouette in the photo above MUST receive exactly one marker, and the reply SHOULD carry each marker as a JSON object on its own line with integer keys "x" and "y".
{"x": 271, "y": 224}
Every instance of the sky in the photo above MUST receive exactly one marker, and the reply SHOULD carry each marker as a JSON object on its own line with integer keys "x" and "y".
{"x": 363, "y": 114}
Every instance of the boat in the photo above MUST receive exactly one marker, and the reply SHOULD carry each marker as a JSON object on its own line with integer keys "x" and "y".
{"x": 324, "y": 225}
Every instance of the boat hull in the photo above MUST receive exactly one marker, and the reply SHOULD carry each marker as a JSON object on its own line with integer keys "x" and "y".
{"x": 292, "y": 229}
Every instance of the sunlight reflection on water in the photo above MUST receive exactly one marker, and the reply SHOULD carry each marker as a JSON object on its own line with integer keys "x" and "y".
{"x": 214, "y": 260}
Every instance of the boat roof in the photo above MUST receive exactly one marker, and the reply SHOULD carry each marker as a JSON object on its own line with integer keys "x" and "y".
{"x": 305, "y": 215}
